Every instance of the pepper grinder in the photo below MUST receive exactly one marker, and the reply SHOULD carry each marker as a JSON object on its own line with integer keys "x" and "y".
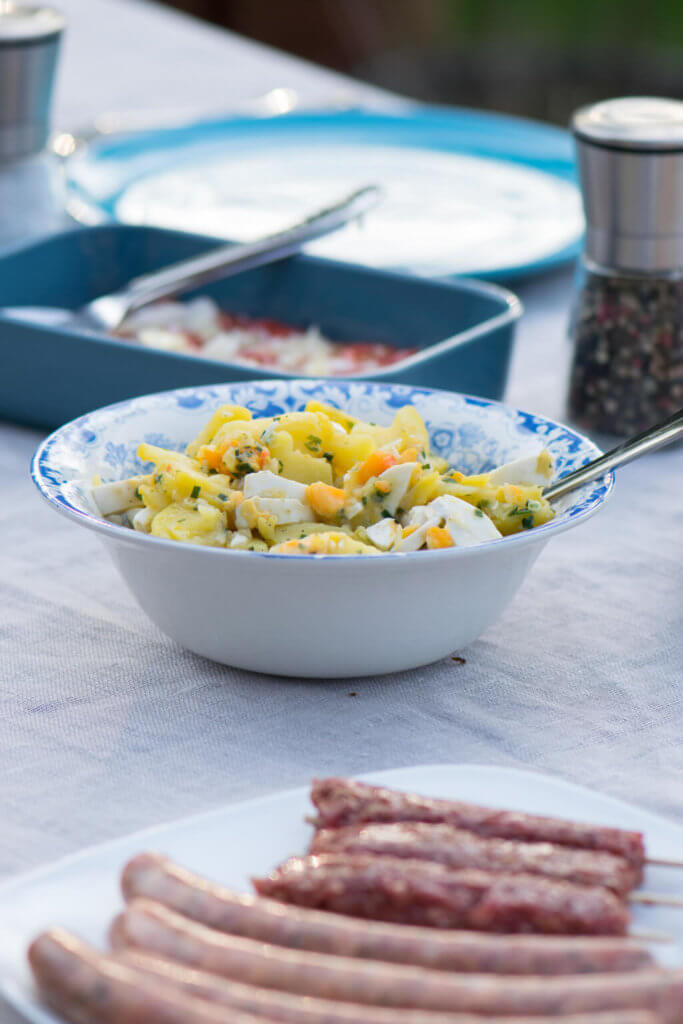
{"x": 31, "y": 197}
{"x": 627, "y": 320}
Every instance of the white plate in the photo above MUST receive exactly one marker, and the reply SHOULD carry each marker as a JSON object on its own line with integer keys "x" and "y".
{"x": 235, "y": 842}
{"x": 466, "y": 192}
{"x": 483, "y": 215}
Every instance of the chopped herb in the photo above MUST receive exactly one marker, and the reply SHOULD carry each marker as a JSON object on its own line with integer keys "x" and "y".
{"x": 328, "y": 455}
{"x": 212, "y": 472}
{"x": 400, "y": 511}
{"x": 349, "y": 425}
{"x": 425, "y": 465}
{"x": 364, "y": 499}
{"x": 222, "y": 497}
{"x": 371, "y": 423}
{"x": 196, "y": 491}
{"x": 313, "y": 443}
{"x": 137, "y": 494}
{"x": 528, "y": 522}
{"x": 280, "y": 465}
{"x": 520, "y": 510}
{"x": 386, "y": 514}
{"x": 478, "y": 512}
{"x": 158, "y": 478}
{"x": 484, "y": 503}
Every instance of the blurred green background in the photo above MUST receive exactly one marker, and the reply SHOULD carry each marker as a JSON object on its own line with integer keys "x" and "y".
{"x": 539, "y": 58}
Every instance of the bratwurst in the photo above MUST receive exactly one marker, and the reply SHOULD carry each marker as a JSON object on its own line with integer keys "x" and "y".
{"x": 153, "y": 877}
{"x": 293, "y": 1009}
{"x": 86, "y": 987}
{"x": 154, "y": 929}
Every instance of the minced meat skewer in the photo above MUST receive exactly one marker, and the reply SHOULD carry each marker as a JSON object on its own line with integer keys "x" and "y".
{"x": 458, "y": 848}
{"x": 423, "y": 893}
{"x": 348, "y": 802}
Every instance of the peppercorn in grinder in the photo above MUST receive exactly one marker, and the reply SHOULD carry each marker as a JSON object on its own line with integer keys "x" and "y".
{"x": 627, "y": 320}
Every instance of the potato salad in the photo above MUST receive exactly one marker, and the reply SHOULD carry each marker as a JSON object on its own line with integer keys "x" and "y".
{"x": 323, "y": 482}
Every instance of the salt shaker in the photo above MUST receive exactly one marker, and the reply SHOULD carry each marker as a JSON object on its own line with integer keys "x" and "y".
{"x": 627, "y": 321}
{"x": 31, "y": 193}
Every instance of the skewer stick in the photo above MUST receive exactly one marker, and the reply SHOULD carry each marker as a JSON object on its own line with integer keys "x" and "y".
{"x": 653, "y": 899}
{"x": 660, "y": 862}
{"x": 650, "y": 936}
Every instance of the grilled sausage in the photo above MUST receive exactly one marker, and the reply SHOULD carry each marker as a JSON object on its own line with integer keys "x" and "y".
{"x": 85, "y": 987}
{"x": 347, "y": 802}
{"x": 422, "y": 893}
{"x": 154, "y": 929}
{"x": 458, "y": 848}
{"x": 293, "y": 1009}
{"x": 153, "y": 877}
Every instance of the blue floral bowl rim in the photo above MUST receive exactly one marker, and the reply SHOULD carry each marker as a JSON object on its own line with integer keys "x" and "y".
{"x": 598, "y": 491}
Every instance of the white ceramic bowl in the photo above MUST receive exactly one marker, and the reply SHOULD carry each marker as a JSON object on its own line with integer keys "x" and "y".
{"x": 305, "y": 615}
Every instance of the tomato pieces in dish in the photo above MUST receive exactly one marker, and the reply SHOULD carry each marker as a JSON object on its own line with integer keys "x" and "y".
{"x": 200, "y": 328}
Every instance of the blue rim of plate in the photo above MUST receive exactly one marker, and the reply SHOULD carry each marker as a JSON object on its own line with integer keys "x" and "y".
{"x": 130, "y": 157}
{"x": 51, "y": 482}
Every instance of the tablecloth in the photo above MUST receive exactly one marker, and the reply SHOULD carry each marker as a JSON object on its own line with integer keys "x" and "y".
{"x": 106, "y": 726}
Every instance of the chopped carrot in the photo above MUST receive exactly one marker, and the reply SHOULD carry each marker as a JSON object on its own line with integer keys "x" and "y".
{"x": 376, "y": 464}
{"x": 213, "y": 457}
{"x": 264, "y": 458}
{"x": 326, "y": 501}
{"x": 439, "y": 537}
{"x": 407, "y": 530}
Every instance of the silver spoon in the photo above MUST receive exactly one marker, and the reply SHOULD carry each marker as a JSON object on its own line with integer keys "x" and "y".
{"x": 656, "y": 437}
{"x": 109, "y": 311}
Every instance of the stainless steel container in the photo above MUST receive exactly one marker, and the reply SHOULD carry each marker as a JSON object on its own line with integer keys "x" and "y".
{"x": 29, "y": 45}
{"x": 630, "y": 154}
{"x": 627, "y": 323}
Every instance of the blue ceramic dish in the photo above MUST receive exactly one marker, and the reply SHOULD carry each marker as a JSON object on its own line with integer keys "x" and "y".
{"x": 463, "y": 329}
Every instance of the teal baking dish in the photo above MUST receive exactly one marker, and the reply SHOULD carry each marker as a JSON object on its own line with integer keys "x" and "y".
{"x": 463, "y": 329}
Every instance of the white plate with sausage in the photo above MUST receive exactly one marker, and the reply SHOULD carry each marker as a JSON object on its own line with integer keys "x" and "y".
{"x": 235, "y": 843}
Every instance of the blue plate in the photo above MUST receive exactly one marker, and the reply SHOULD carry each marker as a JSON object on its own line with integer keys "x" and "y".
{"x": 466, "y": 192}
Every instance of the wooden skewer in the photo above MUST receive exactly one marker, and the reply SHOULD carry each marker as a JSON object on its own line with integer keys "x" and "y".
{"x": 652, "y": 899}
{"x": 650, "y": 936}
{"x": 660, "y": 862}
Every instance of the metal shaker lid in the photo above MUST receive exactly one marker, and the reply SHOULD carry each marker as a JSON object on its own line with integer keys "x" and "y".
{"x": 29, "y": 42}
{"x": 630, "y": 154}
{"x": 28, "y": 23}
{"x": 634, "y": 122}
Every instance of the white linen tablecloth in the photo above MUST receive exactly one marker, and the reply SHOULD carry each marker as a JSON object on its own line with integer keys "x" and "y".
{"x": 106, "y": 726}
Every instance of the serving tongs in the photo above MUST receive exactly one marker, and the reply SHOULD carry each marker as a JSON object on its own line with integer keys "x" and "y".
{"x": 108, "y": 312}
{"x": 649, "y": 441}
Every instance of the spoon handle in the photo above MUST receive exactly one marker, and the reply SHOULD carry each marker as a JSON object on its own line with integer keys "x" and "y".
{"x": 656, "y": 437}
{"x": 233, "y": 259}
